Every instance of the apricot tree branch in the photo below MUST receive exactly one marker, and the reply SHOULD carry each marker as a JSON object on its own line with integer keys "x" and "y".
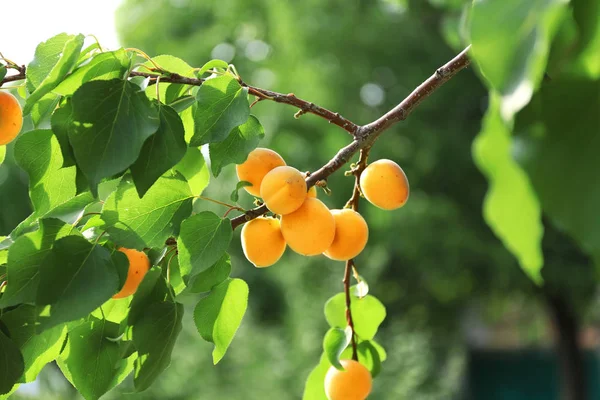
{"x": 349, "y": 320}
{"x": 366, "y": 135}
{"x": 18, "y": 77}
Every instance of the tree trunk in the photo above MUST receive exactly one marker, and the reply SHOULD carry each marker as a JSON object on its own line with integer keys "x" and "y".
{"x": 570, "y": 355}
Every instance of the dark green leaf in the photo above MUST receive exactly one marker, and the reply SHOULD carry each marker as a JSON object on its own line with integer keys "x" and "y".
{"x": 37, "y": 347}
{"x": 222, "y": 105}
{"x": 111, "y": 121}
{"x": 218, "y": 315}
{"x": 3, "y": 71}
{"x": 53, "y": 60}
{"x": 334, "y": 343}
{"x": 511, "y": 41}
{"x": 370, "y": 354}
{"x": 11, "y": 363}
{"x": 367, "y": 313}
{"x": 235, "y": 149}
{"x": 208, "y": 279}
{"x": 93, "y": 362}
{"x": 182, "y": 103}
{"x": 160, "y": 152}
{"x": 25, "y": 258}
{"x": 515, "y": 219}
{"x": 235, "y": 195}
{"x": 138, "y": 223}
{"x": 103, "y": 66}
{"x": 203, "y": 239}
{"x": 76, "y": 278}
{"x": 560, "y": 155}
{"x": 152, "y": 289}
{"x": 587, "y": 16}
{"x": 154, "y": 336}
{"x": 194, "y": 169}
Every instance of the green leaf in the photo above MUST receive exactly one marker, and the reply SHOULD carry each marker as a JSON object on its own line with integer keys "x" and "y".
{"x": 38, "y": 153}
{"x": 170, "y": 64}
{"x": 53, "y": 60}
{"x": 314, "y": 388}
{"x": 587, "y": 16}
{"x": 559, "y": 150}
{"x": 213, "y": 64}
{"x": 367, "y": 313}
{"x": 111, "y": 121}
{"x": 206, "y": 280}
{"x": 194, "y": 169}
{"x": 147, "y": 222}
{"x": 514, "y": 218}
{"x": 154, "y": 336}
{"x": 37, "y": 347}
{"x": 114, "y": 310}
{"x": 103, "y": 66}
{"x": 11, "y": 363}
{"x": 203, "y": 239}
{"x": 218, "y": 315}
{"x": 235, "y": 149}
{"x": 76, "y": 278}
{"x": 334, "y": 343}
{"x": 510, "y": 44}
{"x": 152, "y": 289}
{"x": 160, "y": 152}
{"x": 3, "y": 71}
{"x": 182, "y": 103}
{"x": 61, "y": 120}
{"x": 25, "y": 257}
{"x": 361, "y": 289}
{"x": 43, "y": 108}
{"x": 222, "y": 105}
{"x": 94, "y": 363}
{"x": 371, "y": 354}
{"x": 235, "y": 195}
{"x": 2, "y": 153}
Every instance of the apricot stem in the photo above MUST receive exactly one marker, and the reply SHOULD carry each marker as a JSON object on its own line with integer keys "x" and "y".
{"x": 231, "y": 206}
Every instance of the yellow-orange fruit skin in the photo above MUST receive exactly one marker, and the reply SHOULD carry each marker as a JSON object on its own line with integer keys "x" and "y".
{"x": 351, "y": 235}
{"x": 139, "y": 264}
{"x": 11, "y": 117}
{"x": 283, "y": 190}
{"x": 259, "y": 162}
{"x": 385, "y": 185}
{"x": 262, "y": 241}
{"x": 310, "y": 229}
{"x": 354, "y": 383}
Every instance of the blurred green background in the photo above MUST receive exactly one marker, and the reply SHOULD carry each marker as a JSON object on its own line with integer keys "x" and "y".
{"x": 454, "y": 295}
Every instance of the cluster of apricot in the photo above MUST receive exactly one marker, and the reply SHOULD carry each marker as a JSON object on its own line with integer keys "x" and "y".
{"x": 11, "y": 117}
{"x": 304, "y": 222}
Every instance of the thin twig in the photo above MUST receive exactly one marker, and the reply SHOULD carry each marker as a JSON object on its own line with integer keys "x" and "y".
{"x": 349, "y": 320}
{"x": 366, "y": 135}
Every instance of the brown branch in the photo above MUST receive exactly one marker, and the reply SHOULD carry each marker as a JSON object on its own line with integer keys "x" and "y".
{"x": 18, "y": 77}
{"x": 347, "y": 273}
{"x": 366, "y": 135}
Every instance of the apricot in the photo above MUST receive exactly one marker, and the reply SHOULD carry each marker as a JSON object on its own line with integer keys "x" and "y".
{"x": 262, "y": 241}
{"x": 283, "y": 190}
{"x": 354, "y": 383}
{"x": 139, "y": 264}
{"x": 351, "y": 235}
{"x": 310, "y": 229}
{"x": 11, "y": 117}
{"x": 259, "y": 162}
{"x": 384, "y": 184}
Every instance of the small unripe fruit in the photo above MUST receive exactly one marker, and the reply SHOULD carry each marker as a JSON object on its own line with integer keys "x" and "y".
{"x": 351, "y": 235}
{"x": 283, "y": 190}
{"x": 384, "y": 184}
{"x": 354, "y": 383}
{"x": 310, "y": 229}
{"x": 11, "y": 117}
{"x": 139, "y": 264}
{"x": 262, "y": 241}
{"x": 259, "y": 162}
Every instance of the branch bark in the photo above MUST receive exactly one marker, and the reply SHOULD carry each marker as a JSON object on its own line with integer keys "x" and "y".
{"x": 366, "y": 135}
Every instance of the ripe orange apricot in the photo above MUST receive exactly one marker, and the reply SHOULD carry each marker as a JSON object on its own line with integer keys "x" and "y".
{"x": 139, "y": 264}
{"x": 310, "y": 229}
{"x": 259, "y": 162}
{"x": 384, "y": 184}
{"x": 283, "y": 190}
{"x": 262, "y": 241}
{"x": 354, "y": 383}
{"x": 11, "y": 117}
{"x": 351, "y": 235}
